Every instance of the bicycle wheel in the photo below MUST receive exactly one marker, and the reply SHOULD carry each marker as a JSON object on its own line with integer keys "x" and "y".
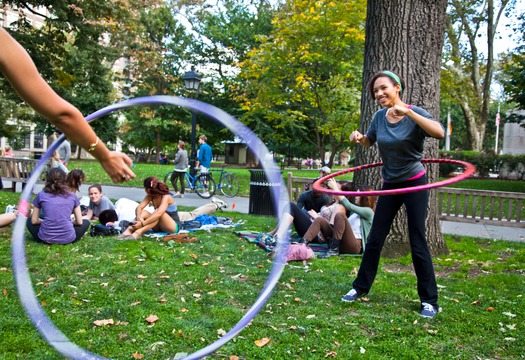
{"x": 229, "y": 185}
{"x": 204, "y": 186}
{"x": 167, "y": 178}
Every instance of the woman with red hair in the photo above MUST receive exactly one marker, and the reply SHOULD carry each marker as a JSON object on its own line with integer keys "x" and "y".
{"x": 165, "y": 218}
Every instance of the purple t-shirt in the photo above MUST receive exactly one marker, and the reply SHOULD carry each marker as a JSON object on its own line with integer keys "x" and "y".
{"x": 56, "y": 226}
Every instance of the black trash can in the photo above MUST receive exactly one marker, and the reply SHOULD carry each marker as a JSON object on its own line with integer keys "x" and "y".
{"x": 261, "y": 202}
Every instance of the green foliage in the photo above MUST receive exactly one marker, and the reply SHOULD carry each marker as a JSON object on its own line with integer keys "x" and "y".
{"x": 485, "y": 162}
{"x": 467, "y": 73}
{"x": 303, "y": 81}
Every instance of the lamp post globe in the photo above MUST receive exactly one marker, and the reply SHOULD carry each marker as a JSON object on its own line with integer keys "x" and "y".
{"x": 192, "y": 81}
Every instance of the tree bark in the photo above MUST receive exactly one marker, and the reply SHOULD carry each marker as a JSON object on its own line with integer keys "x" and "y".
{"x": 405, "y": 36}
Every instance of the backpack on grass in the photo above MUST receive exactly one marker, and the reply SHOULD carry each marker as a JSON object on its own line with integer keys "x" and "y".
{"x": 102, "y": 230}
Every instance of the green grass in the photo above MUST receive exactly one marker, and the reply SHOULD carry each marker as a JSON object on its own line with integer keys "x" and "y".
{"x": 94, "y": 174}
{"x": 199, "y": 289}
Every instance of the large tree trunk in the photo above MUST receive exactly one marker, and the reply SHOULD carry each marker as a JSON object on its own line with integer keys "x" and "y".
{"x": 405, "y": 36}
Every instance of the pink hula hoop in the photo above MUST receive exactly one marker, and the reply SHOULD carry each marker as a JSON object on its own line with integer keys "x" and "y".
{"x": 469, "y": 170}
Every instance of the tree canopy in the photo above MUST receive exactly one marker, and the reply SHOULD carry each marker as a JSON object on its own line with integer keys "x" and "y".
{"x": 302, "y": 84}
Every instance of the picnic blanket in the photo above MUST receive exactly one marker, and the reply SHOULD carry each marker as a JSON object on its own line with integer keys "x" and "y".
{"x": 206, "y": 224}
{"x": 252, "y": 236}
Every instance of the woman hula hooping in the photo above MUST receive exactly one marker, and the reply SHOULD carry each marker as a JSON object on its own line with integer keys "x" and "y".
{"x": 399, "y": 130}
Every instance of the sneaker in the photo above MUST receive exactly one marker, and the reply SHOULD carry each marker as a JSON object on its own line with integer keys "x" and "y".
{"x": 351, "y": 296}
{"x": 221, "y": 204}
{"x": 177, "y": 194}
{"x": 206, "y": 194}
{"x": 428, "y": 311}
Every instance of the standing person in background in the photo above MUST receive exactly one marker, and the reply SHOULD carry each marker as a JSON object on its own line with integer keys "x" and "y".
{"x": 400, "y": 131}
{"x": 64, "y": 150}
{"x": 7, "y": 152}
{"x": 181, "y": 166}
{"x": 205, "y": 155}
{"x": 57, "y": 203}
{"x": 204, "y": 159}
{"x": 19, "y": 69}
{"x": 56, "y": 162}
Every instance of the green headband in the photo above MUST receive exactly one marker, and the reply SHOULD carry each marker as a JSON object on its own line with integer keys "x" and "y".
{"x": 395, "y": 78}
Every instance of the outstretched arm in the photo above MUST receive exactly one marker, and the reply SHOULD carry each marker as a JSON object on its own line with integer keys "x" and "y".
{"x": 21, "y": 72}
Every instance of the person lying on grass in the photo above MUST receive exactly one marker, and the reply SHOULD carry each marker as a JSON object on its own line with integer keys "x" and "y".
{"x": 164, "y": 218}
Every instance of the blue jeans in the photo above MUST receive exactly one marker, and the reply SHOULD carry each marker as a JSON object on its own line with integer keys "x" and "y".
{"x": 387, "y": 207}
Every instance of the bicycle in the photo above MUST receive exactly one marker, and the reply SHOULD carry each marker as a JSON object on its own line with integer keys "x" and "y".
{"x": 228, "y": 183}
{"x": 202, "y": 184}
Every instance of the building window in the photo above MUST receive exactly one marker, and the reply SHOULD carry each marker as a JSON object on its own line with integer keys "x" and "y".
{"x": 38, "y": 141}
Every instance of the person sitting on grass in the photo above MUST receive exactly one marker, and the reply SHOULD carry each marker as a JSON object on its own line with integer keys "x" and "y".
{"x": 343, "y": 233}
{"x": 57, "y": 203}
{"x": 74, "y": 179}
{"x": 164, "y": 218}
{"x": 299, "y": 213}
{"x": 97, "y": 202}
{"x": 8, "y": 218}
{"x": 125, "y": 211}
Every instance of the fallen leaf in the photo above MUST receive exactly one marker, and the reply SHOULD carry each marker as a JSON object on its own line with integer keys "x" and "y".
{"x": 103, "y": 322}
{"x": 297, "y": 299}
{"x": 193, "y": 256}
{"x": 509, "y": 314}
{"x": 184, "y": 310}
{"x": 310, "y": 316}
{"x": 330, "y": 354}
{"x": 104, "y": 284}
{"x": 234, "y": 357}
{"x": 490, "y": 308}
{"x": 152, "y": 319}
{"x": 221, "y": 332}
{"x": 197, "y": 296}
{"x": 163, "y": 300}
{"x": 136, "y": 303}
{"x": 138, "y": 356}
{"x": 141, "y": 276}
{"x": 362, "y": 350}
{"x": 262, "y": 342}
{"x": 5, "y": 292}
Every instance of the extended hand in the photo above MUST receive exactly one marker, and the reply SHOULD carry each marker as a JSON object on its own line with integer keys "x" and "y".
{"x": 118, "y": 167}
{"x": 356, "y": 137}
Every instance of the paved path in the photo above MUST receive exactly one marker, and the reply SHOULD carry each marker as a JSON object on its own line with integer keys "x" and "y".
{"x": 242, "y": 204}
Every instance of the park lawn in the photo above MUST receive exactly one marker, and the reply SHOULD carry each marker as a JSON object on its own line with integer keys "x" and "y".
{"x": 199, "y": 290}
{"x": 95, "y": 174}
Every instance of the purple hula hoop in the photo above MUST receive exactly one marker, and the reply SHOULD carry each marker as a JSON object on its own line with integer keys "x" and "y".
{"x": 469, "y": 170}
{"x": 41, "y": 321}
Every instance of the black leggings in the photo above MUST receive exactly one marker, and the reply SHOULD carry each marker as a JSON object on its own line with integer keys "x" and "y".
{"x": 301, "y": 220}
{"x": 178, "y": 176}
{"x": 386, "y": 209}
{"x": 80, "y": 230}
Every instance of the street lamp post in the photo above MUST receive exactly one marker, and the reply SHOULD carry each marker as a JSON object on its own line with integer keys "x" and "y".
{"x": 192, "y": 82}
